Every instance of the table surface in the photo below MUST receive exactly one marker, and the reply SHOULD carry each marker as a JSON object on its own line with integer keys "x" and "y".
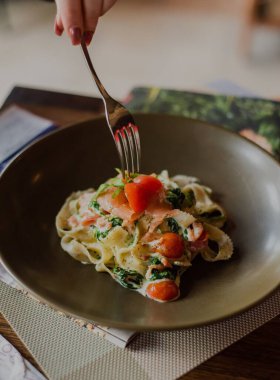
{"x": 256, "y": 356}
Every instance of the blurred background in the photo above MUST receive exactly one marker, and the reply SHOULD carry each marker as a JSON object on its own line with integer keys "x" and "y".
{"x": 181, "y": 44}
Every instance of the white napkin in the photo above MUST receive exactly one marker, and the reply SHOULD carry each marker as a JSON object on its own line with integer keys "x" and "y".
{"x": 17, "y": 128}
{"x": 13, "y": 366}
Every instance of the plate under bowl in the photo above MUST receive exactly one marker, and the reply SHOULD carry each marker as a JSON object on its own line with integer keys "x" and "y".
{"x": 245, "y": 178}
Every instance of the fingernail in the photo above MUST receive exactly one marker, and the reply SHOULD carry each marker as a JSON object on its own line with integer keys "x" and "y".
{"x": 75, "y": 34}
{"x": 88, "y": 37}
{"x": 57, "y": 30}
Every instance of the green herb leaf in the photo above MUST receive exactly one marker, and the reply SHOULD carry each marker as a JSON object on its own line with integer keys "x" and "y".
{"x": 116, "y": 221}
{"x": 154, "y": 260}
{"x": 189, "y": 199}
{"x": 131, "y": 175}
{"x": 128, "y": 278}
{"x": 117, "y": 182}
{"x": 166, "y": 273}
{"x": 134, "y": 175}
{"x": 185, "y": 234}
{"x": 118, "y": 170}
{"x": 100, "y": 234}
{"x": 173, "y": 225}
{"x": 101, "y": 189}
{"x": 175, "y": 197}
{"x": 96, "y": 206}
{"x": 117, "y": 192}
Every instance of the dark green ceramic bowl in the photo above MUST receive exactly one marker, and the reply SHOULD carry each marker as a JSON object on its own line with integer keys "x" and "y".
{"x": 244, "y": 177}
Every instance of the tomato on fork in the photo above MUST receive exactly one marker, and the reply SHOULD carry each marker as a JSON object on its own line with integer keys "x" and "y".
{"x": 142, "y": 191}
{"x": 136, "y": 196}
{"x": 151, "y": 184}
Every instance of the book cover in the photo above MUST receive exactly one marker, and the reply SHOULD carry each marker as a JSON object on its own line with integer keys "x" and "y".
{"x": 254, "y": 118}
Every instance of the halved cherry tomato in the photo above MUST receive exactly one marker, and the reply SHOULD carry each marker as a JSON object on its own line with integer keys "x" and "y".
{"x": 140, "y": 192}
{"x": 171, "y": 245}
{"x": 163, "y": 290}
{"x": 137, "y": 197}
{"x": 151, "y": 184}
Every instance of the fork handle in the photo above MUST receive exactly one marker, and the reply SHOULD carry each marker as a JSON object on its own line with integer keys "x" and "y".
{"x": 100, "y": 86}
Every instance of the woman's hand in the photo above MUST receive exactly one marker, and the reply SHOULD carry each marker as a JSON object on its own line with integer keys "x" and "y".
{"x": 79, "y": 18}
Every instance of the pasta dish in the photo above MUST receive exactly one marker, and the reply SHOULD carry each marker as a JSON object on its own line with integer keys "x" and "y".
{"x": 145, "y": 231}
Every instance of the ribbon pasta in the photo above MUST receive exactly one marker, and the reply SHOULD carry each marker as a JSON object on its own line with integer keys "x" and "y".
{"x": 136, "y": 249}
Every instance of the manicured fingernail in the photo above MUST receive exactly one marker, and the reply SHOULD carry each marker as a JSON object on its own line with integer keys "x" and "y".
{"x": 88, "y": 37}
{"x": 57, "y": 30}
{"x": 75, "y": 34}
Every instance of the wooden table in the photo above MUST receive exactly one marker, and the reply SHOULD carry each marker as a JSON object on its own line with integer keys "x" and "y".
{"x": 257, "y": 356}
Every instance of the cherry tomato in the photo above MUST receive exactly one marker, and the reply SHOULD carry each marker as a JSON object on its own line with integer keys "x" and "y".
{"x": 163, "y": 290}
{"x": 171, "y": 245}
{"x": 140, "y": 192}
{"x": 137, "y": 197}
{"x": 151, "y": 184}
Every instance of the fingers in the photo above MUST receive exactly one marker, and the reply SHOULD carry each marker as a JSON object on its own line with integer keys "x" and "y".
{"x": 92, "y": 10}
{"x": 107, "y": 4}
{"x": 88, "y": 37}
{"x": 58, "y": 26}
{"x": 79, "y": 18}
{"x": 71, "y": 20}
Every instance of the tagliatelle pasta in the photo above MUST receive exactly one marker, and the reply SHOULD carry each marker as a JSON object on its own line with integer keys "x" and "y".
{"x": 145, "y": 231}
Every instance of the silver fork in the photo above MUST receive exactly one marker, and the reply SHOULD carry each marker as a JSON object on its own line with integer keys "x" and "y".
{"x": 121, "y": 125}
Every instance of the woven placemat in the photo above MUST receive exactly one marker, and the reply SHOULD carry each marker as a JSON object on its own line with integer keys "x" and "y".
{"x": 65, "y": 351}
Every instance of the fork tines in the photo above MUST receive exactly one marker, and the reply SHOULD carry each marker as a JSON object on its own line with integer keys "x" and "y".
{"x": 128, "y": 144}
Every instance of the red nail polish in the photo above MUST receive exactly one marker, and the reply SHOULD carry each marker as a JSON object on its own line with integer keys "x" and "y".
{"x": 88, "y": 37}
{"x": 57, "y": 30}
{"x": 75, "y": 34}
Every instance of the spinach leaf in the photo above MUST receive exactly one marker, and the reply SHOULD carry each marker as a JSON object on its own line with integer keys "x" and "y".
{"x": 96, "y": 206}
{"x": 175, "y": 197}
{"x": 166, "y": 273}
{"x": 154, "y": 260}
{"x": 128, "y": 278}
{"x": 116, "y": 221}
{"x": 100, "y": 234}
{"x": 185, "y": 234}
{"x": 189, "y": 198}
{"x": 173, "y": 225}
